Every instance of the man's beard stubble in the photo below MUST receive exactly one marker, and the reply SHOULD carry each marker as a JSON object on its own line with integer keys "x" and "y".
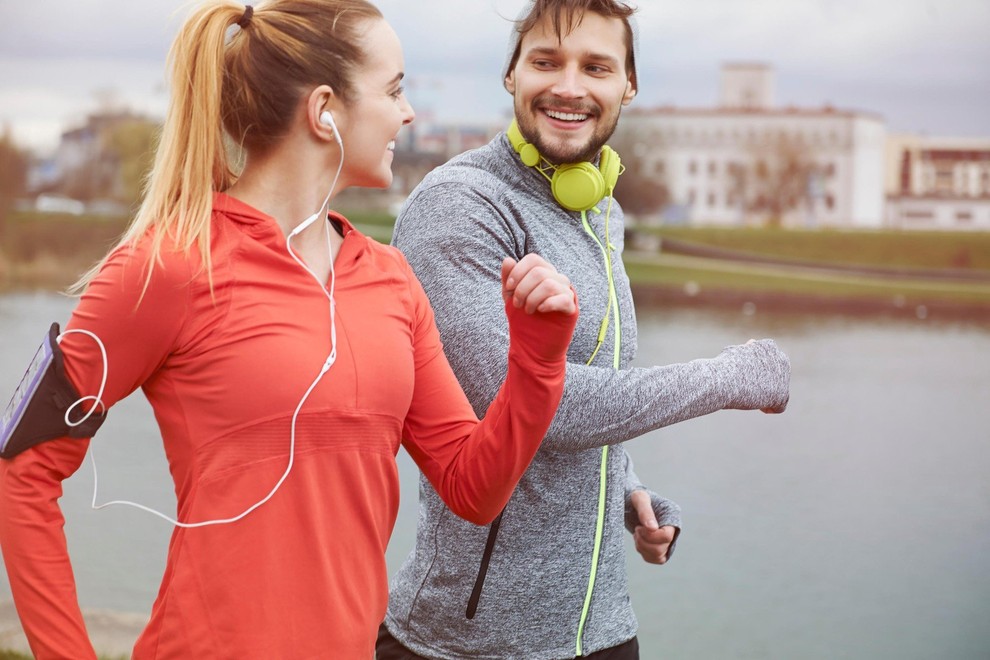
{"x": 561, "y": 155}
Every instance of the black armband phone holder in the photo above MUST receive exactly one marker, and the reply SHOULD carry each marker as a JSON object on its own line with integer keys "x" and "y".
{"x": 37, "y": 410}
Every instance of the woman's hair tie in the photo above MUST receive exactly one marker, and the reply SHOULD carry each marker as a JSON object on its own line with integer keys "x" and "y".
{"x": 245, "y": 19}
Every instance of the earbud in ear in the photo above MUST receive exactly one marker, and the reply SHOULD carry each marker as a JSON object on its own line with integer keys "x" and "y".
{"x": 327, "y": 120}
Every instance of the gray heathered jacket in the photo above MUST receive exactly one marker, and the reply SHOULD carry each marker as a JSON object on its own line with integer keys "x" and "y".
{"x": 455, "y": 229}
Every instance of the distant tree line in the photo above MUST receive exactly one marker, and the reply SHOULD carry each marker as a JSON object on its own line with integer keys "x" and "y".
{"x": 109, "y": 160}
{"x": 14, "y": 163}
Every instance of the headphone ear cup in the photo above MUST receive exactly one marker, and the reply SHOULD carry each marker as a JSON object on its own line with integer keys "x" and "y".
{"x": 578, "y": 186}
{"x": 528, "y": 153}
{"x": 611, "y": 167}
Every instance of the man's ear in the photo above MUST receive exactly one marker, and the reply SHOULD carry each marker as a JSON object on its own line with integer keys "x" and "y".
{"x": 630, "y": 92}
{"x": 510, "y": 82}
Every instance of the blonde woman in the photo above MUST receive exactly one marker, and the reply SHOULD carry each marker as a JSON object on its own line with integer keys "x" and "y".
{"x": 286, "y": 355}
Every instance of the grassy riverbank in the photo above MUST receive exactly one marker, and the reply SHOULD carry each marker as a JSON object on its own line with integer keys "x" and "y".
{"x": 917, "y": 273}
{"x": 892, "y": 248}
{"x": 18, "y": 655}
{"x": 48, "y": 252}
{"x": 913, "y": 273}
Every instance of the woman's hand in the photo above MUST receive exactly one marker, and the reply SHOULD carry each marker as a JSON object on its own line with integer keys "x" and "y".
{"x": 536, "y": 286}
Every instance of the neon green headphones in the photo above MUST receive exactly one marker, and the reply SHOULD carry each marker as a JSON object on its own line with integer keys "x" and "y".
{"x": 575, "y": 186}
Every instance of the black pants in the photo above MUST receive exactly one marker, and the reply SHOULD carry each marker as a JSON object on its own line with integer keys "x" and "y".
{"x": 388, "y": 648}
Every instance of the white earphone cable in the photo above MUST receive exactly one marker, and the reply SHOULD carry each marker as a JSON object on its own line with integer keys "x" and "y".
{"x": 98, "y": 400}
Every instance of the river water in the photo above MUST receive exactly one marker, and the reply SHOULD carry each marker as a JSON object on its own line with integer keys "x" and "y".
{"x": 855, "y": 525}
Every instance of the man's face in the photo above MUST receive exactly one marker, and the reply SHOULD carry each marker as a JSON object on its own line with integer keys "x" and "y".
{"x": 567, "y": 95}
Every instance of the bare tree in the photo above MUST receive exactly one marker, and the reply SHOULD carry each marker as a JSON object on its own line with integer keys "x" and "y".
{"x": 114, "y": 152}
{"x": 639, "y": 193}
{"x": 13, "y": 175}
{"x": 778, "y": 179}
{"x": 131, "y": 146}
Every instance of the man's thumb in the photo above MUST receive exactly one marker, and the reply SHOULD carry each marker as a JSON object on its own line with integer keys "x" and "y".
{"x": 644, "y": 509}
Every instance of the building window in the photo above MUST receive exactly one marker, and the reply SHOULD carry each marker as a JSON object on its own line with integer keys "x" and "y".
{"x": 659, "y": 167}
{"x": 905, "y": 173}
{"x": 918, "y": 215}
{"x": 712, "y": 168}
{"x": 691, "y": 197}
{"x": 944, "y": 179}
{"x": 964, "y": 217}
{"x": 829, "y": 169}
{"x": 692, "y": 167}
{"x": 829, "y": 201}
{"x": 711, "y": 200}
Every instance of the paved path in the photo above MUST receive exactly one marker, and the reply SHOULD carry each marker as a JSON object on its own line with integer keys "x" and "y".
{"x": 112, "y": 633}
{"x": 691, "y": 249}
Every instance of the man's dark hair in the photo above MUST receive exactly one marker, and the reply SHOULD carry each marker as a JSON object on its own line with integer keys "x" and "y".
{"x": 565, "y": 15}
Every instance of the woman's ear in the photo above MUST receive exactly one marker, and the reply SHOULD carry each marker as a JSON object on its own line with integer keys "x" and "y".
{"x": 321, "y": 119}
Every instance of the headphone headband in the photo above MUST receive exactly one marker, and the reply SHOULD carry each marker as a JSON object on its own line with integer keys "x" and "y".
{"x": 575, "y": 186}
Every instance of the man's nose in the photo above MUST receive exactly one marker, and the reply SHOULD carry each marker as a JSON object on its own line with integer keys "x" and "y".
{"x": 569, "y": 83}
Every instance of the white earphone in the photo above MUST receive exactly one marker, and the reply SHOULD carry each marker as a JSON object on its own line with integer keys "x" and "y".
{"x": 327, "y": 120}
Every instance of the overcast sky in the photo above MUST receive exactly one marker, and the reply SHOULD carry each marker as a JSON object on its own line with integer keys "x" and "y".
{"x": 923, "y": 65}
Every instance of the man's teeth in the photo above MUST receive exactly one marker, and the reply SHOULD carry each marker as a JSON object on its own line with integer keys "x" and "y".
{"x": 565, "y": 116}
{"x": 391, "y": 145}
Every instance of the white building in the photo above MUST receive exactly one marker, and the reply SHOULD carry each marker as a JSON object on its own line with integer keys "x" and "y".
{"x": 747, "y": 161}
{"x": 938, "y": 183}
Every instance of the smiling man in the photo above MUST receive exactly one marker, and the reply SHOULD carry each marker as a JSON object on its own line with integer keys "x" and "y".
{"x": 569, "y": 76}
{"x": 547, "y": 579}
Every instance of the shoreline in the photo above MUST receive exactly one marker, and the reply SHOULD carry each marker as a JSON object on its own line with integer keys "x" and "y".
{"x": 112, "y": 633}
{"x": 46, "y": 273}
{"x": 751, "y": 302}
{"x": 746, "y": 301}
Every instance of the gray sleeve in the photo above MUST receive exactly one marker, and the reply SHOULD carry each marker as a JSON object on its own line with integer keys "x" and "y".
{"x": 455, "y": 239}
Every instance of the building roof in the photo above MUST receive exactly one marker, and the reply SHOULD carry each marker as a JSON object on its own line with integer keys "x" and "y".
{"x": 787, "y": 111}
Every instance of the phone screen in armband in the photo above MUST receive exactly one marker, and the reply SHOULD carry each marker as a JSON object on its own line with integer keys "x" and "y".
{"x": 14, "y": 412}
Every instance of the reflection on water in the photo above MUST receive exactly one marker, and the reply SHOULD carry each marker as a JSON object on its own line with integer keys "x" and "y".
{"x": 855, "y": 525}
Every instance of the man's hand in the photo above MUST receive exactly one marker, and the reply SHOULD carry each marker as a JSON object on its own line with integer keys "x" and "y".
{"x": 652, "y": 541}
{"x": 778, "y": 410}
{"x": 536, "y": 286}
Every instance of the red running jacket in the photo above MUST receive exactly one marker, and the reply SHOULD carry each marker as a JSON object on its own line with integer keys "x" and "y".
{"x": 303, "y": 576}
